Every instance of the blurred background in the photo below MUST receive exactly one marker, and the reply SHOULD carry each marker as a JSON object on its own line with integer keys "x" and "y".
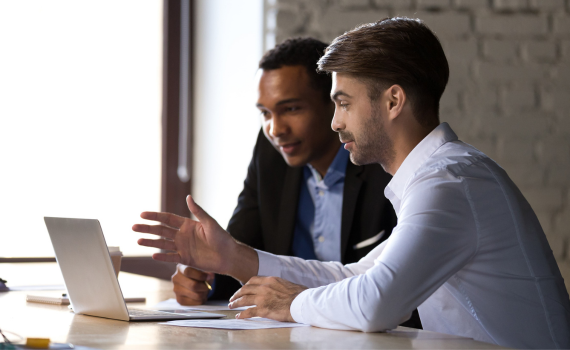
{"x": 110, "y": 108}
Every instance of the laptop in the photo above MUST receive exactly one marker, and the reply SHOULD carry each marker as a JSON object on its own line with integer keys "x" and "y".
{"x": 92, "y": 286}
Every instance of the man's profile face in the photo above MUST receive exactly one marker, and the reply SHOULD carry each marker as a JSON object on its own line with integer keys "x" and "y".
{"x": 295, "y": 116}
{"x": 360, "y": 122}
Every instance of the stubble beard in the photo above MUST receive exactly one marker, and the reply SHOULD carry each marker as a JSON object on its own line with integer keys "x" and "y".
{"x": 373, "y": 144}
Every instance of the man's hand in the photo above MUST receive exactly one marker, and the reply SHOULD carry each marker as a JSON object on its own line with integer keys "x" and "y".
{"x": 189, "y": 285}
{"x": 272, "y": 296}
{"x": 202, "y": 244}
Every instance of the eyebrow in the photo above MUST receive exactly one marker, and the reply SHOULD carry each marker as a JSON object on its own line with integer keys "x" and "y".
{"x": 282, "y": 102}
{"x": 335, "y": 96}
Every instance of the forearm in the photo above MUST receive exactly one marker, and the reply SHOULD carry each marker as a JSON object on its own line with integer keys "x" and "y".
{"x": 309, "y": 273}
{"x": 241, "y": 263}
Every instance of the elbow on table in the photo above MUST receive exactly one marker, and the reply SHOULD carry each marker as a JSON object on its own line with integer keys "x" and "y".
{"x": 381, "y": 320}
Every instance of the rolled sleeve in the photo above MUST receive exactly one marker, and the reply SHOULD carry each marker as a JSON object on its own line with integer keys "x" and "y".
{"x": 296, "y": 308}
{"x": 269, "y": 264}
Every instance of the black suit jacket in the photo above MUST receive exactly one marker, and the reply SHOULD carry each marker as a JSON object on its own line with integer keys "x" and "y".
{"x": 266, "y": 212}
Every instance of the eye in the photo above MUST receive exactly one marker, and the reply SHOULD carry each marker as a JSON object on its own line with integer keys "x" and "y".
{"x": 264, "y": 114}
{"x": 343, "y": 105}
{"x": 292, "y": 109}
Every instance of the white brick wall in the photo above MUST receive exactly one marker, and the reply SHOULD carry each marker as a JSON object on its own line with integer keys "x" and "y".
{"x": 509, "y": 90}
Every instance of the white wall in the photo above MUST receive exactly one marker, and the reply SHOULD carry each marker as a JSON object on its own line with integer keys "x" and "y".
{"x": 228, "y": 46}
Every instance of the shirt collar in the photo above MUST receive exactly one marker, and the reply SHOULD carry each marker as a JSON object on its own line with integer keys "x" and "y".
{"x": 335, "y": 172}
{"x": 419, "y": 155}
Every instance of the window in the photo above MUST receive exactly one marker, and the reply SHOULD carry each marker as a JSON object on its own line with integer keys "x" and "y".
{"x": 80, "y": 114}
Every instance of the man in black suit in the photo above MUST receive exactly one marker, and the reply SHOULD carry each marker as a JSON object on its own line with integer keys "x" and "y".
{"x": 302, "y": 196}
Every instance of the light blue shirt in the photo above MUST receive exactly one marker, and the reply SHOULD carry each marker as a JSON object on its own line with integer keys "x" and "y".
{"x": 319, "y": 213}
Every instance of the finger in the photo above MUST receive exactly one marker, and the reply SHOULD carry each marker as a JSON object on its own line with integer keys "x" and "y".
{"x": 247, "y": 300}
{"x": 190, "y": 284}
{"x": 167, "y": 257}
{"x": 249, "y": 313}
{"x": 198, "y": 212}
{"x": 211, "y": 277}
{"x": 245, "y": 290}
{"x": 195, "y": 274}
{"x": 171, "y": 220}
{"x": 189, "y": 293}
{"x": 157, "y": 243}
{"x": 158, "y": 230}
{"x": 182, "y": 300}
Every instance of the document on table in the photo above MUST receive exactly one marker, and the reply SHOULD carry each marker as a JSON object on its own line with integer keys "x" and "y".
{"x": 248, "y": 323}
{"x": 218, "y": 305}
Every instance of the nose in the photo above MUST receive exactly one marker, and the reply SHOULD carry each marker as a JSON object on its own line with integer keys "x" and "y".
{"x": 277, "y": 126}
{"x": 337, "y": 122}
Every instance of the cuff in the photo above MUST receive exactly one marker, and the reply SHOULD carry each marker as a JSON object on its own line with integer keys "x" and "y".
{"x": 296, "y": 308}
{"x": 269, "y": 264}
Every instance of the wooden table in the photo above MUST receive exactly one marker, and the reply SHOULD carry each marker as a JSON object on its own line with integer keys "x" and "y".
{"x": 61, "y": 325}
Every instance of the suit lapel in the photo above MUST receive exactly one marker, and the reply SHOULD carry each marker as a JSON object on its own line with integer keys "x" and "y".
{"x": 352, "y": 184}
{"x": 288, "y": 210}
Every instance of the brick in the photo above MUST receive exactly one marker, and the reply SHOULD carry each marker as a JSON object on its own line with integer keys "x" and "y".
{"x": 288, "y": 21}
{"x": 556, "y": 99}
{"x": 558, "y": 175}
{"x": 544, "y": 200}
{"x": 463, "y": 50}
{"x": 512, "y": 25}
{"x": 499, "y": 72}
{"x": 471, "y": 4}
{"x": 561, "y": 25}
{"x": 520, "y": 98}
{"x": 515, "y": 150}
{"x": 516, "y": 128}
{"x": 547, "y": 5}
{"x": 510, "y": 5}
{"x": 391, "y": 4}
{"x": 354, "y": 3}
{"x": 524, "y": 175}
{"x": 433, "y": 4}
{"x": 449, "y": 100}
{"x": 444, "y": 24}
{"x": 561, "y": 75}
{"x": 463, "y": 125}
{"x": 562, "y": 222}
{"x": 500, "y": 50}
{"x": 554, "y": 150}
{"x": 484, "y": 99}
{"x": 337, "y": 21}
{"x": 539, "y": 51}
{"x": 565, "y": 50}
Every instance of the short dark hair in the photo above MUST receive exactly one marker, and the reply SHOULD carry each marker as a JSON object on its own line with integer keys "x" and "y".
{"x": 300, "y": 52}
{"x": 397, "y": 50}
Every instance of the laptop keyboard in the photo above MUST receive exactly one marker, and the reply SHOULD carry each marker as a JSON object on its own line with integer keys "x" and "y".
{"x": 142, "y": 312}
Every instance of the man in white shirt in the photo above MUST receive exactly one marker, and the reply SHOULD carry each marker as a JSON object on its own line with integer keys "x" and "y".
{"x": 486, "y": 270}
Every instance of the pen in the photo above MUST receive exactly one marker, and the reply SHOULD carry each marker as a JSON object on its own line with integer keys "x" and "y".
{"x": 208, "y": 285}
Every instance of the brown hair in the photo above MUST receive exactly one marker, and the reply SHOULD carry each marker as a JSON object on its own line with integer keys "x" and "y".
{"x": 392, "y": 51}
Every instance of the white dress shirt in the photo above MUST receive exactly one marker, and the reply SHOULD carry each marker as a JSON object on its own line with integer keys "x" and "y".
{"x": 468, "y": 252}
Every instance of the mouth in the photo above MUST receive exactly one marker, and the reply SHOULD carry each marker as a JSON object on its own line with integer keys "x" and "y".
{"x": 289, "y": 148}
{"x": 347, "y": 144}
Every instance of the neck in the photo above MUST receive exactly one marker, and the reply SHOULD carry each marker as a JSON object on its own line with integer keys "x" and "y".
{"x": 404, "y": 142}
{"x": 322, "y": 164}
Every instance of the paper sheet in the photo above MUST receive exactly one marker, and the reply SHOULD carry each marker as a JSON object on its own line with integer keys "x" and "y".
{"x": 248, "y": 323}
{"x": 218, "y": 305}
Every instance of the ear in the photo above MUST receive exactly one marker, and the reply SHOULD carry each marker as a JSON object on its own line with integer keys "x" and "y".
{"x": 395, "y": 99}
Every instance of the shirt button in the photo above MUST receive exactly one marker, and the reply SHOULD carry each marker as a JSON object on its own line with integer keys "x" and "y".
{"x": 321, "y": 193}
{"x": 321, "y": 239}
